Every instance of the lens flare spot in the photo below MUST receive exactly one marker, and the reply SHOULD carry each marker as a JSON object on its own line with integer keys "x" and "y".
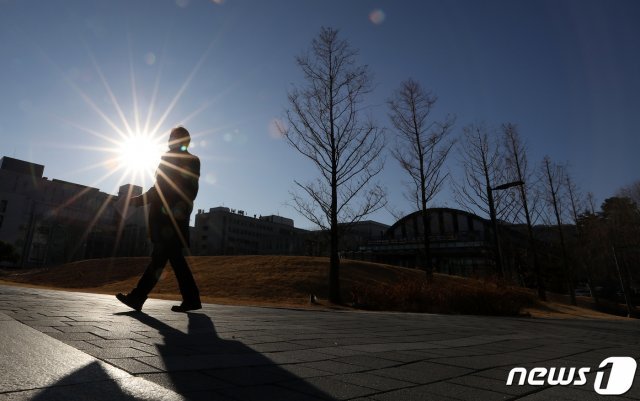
{"x": 218, "y": 2}
{"x": 236, "y": 137}
{"x": 210, "y": 179}
{"x": 111, "y": 164}
{"x": 150, "y": 58}
{"x": 377, "y": 16}
{"x": 182, "y": 3}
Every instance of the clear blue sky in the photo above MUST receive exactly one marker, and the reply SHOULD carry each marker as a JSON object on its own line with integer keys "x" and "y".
{"x": 567, "y": 72}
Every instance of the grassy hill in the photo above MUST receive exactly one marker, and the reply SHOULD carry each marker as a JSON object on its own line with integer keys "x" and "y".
{"x": 289, "y": 281}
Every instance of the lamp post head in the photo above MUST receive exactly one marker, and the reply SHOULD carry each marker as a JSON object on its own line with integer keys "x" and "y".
{"x": 508, "y": 185}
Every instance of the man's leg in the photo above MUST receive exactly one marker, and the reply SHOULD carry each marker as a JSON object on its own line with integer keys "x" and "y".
{"x": 188, "y": 287}
{"x": 149, "y": 279}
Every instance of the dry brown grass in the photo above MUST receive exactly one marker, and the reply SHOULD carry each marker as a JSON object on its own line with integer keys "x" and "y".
{"x": 289, "y": 280}
{"x": 281, "y": 280}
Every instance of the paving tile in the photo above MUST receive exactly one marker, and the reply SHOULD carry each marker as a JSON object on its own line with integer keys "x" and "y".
{"x": 303, "y": 372}
{"x": 273, "y": 393}
{"x": 393, "y": 347}
{"x": 81, "y": 329}
{"x": 338, "y": 351}
{"x": 422, "y": 372}
{"x": 363, "y": 399}
{"x": 252, "y": 376}
{"x": 207, "y": 395}
{"x": 278, "y": 347}
{"x": 296, "y": 356}
{"x": 403, "y": 356}
{"x": 332, "y": 387}
{"x": 132, "y": 365}
{"x": 120, "y": 335}
{"x": 48, "y": 329}
{"x": 204, "y": 362}
{"x": 116, "y": 343}
{"x": 114, "y": 353}
{"x": 448, "y": 389}
{"x": 496, "y": 385}
{"x": 45, "y": 322}
{"x": 366, "y": 361}
{"x": 183, "y": 382}
{"x": 420, "y": 393}
{"x": 74, "y": 336}
{"x": 334, "y": 367}
{"x": 372, "y": 381}
{"x": 486, "y": 361}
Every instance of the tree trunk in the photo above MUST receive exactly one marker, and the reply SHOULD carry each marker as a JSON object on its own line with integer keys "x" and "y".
{"x": 532, "y": 245}
{"x": 565, "y": 259}
{"x": 428, "y": 267}
{"x": 334, "y": 259}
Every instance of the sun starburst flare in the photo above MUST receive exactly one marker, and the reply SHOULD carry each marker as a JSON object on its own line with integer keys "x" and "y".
{"x": 139, "y": 154}
{"x": 133, "y": 145}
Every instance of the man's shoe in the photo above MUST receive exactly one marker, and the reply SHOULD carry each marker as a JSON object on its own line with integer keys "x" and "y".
{"x": 186, "y": 307}
{"x": 130, "y": 301}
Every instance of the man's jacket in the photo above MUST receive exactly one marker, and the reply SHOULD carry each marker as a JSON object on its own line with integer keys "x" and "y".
{"x": 171, "y": 198}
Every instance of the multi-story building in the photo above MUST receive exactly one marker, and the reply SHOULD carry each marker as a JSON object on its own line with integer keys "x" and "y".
{"x": 225, "y": 231}
{"x": 351, "y": 237}
{"x": 54, "y": 221}
{"x": 50, "y": 221}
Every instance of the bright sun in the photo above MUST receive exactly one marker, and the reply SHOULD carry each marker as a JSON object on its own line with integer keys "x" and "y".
{"x": 140, "y": 154}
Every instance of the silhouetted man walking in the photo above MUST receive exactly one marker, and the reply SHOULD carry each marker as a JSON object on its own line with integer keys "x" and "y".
{"x": 170, "y": 204}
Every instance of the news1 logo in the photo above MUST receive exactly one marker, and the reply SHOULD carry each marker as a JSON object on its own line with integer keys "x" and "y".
{"x": 620, "y": 380}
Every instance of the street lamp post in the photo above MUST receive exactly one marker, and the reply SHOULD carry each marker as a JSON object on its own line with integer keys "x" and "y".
{"x": 494, "y": 221}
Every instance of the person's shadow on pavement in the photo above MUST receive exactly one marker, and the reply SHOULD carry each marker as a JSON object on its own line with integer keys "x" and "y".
{"x": 198, "y": 365}
{"x": 202, "y": 366}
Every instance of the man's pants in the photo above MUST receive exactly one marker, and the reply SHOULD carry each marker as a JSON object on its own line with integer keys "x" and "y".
{"x": 159, "y": 256}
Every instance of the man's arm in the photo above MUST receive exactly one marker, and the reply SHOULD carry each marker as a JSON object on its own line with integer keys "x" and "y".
{"x": 150, "y": 196}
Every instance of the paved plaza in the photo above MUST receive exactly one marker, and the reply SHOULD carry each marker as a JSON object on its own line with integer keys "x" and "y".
{"x": 76, "y": 346}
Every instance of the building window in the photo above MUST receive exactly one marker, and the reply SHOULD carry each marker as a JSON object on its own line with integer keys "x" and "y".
{"x": 3, "y": 206}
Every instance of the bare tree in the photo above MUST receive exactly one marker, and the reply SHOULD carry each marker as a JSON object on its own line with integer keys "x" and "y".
{"x": 421, "y": 148}
{"x": 631, "y": 191}
{"x": 518, "y": 170}
{"x": 483, "y": 169}
{"x": 576, "y": 201}
{"x": 591, "y": 203}
{"x": 325, "y": 125}
{"x": 554, "y": 177}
